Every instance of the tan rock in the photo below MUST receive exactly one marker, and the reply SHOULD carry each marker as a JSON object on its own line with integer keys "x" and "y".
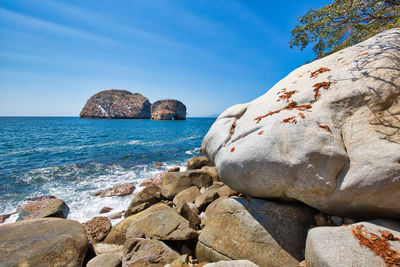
{"x": 189, "y": 214}
{"x": 43, "y": 242}
{"x": 105, "y": 210}
{"x": 206, "y": 198}
{"x": 118, "y": 232}
{"x": 168, "y": 109}
{"x": 226, "y": 191}
{"x": 118, "y": 190}
{"x": 212, "y": 171}
{"x": 175, "y": 182}
{"x": 144, "y": 199}
{"x": 104, "y": 248}
{"x": 97, "y": 228}
{"x": 187, "y": 195}
{"x": 50, "y": 207}
{"x": 106, "y": 260}
{"x": 198, "y": 162}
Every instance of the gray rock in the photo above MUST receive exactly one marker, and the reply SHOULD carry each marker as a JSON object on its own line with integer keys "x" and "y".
{"x": 267, "y": 233}
{"x": 175, "y": 182}
{"x": 154, "y": 251}
{"x": 106, "y": 260}
{"x": 144, "y": 199}
{"x": 168, "y": 109}
{"x": 326, "y": 135}
{"x": 116, "y": 104}
{"x": 48, "y": 207}
{"x": 338, "y": 247}
{"x": 43, "y": 242}
{"x": 162, "y": 225}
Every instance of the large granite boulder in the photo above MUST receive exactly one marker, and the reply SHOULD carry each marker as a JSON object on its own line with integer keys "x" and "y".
{"x": 267, "y": 233}
{"x": 168, "y": 109}
{"x": 327, "y": 134}
{"x": 369, "y": 243}
{"x": 42, "y": 208}
{"x": 116, "y": 104}
{"x": 43, "y": 242}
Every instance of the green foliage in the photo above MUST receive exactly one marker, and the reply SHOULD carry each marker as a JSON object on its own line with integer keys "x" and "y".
{"x": 344, "y": 23}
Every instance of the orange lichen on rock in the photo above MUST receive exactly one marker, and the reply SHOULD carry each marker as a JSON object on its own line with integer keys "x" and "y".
{"x": 232, "y": 149}
{"x": 290, "y": 120}
{"x": 301, "y": 115}
{"x": 290, "y": 106}
{"x": 315, "y": 74}
{"x": 260, "y": 133}
{"x": 363, "y": 54}
{"x": 326, "y": 127}
{"x": 286, "y": 95}
{"x": 379, "y": 245}
{"x": 318, "y": 86}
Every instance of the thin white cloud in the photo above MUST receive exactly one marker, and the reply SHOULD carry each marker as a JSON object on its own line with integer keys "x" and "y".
{"x": 43, "y": 25}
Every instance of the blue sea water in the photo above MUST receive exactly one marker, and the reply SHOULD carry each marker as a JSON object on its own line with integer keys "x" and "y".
{"x": 71, "y": 158}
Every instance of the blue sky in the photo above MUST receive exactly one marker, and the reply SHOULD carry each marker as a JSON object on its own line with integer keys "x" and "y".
{"x": 209, "y": 54}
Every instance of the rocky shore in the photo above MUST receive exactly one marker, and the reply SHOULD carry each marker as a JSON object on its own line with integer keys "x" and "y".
{"x": 306, "y": 175}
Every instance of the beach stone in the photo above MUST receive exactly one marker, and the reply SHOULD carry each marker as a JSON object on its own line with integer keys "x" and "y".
{"x": 187, "y": 195}
{"x": 144, "y": 199}
{"x": 189, "y": 214}
{"x": 168, "y": 109}
{"x": 118, "y": 190}
{"x": 118, "y": 232}
{"x": 48, "y": 207}
{"x": 97, "y": 228}
{"x": 326, "y": 135}
{"x": 198, "y": 163}
{"x": 154, "y": 251}
{"x": 212, "y": 171}
{"x": 43, "y": 242}
{"x": 116, "y": 104}
{"x": 162, "y": 225}
{"x": 175, "y": 182}
{"x": 105, "y": 210}
{"x": 105, "y": 248}
{"x": 226, "y": 191}
{"x": 106, "y": 260}
{"x": 237, "y": 263}
{"x": 206, "y": 198}
{"x": 268, "y": 233}
{"x": 338, "y": 247}
{"x": 116, "y": 215}
{"x": 321, "y": 219}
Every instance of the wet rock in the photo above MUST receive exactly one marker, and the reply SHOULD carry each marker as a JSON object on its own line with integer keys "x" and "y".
{"x": 105, "y": 210}
{"x": 338, "y": 247}
{"x": 174, "y": 169}
{"x": 325, "y": 135}
{"x": 47, "y": 207}
{"x": 162, "y": 225}
{"x": 168, "y": 109}
{"x": 33, "y": 199}
{"x": 268, "y": 233}
{"x": 144, "y": 199}
{"x": 187, "y": 196}
{"x": 175, "y": 182}
{"x": 106, "y": 260}
{"x": 116, "y": 215}
{"x": 118, "y": 190}
{"x": 159, "y": 164}
{"x": 43, "y": 242}
{"x": 154, "y": 251}
{"x": 97, "y": 228}
{"x": 116, "y": 104}
{"x": 118, "y": 232}
{"x": 5, "y": 217}
{"x": 198, "y": 162}
{"x": 155, "y": 179}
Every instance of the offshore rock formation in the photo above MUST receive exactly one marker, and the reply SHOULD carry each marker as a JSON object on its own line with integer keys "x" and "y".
{"x": 116, "y": 104}
{"x": 168, "y": 109}
{"x": 327, "y": 134}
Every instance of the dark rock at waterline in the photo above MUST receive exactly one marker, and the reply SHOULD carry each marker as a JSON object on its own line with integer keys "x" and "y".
{"x": 168, "y": 109}
{"x": 47, "y": 207}
{"x": 43, "y": 242}
{"x": 105, "y": 209}
{"x": 116, "y": 104}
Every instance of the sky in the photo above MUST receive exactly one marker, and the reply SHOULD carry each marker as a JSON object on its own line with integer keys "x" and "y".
{"x": 209, "y": 54}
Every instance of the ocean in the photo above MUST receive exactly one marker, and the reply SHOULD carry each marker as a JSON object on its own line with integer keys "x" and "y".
{"x": 71, "y": 158}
